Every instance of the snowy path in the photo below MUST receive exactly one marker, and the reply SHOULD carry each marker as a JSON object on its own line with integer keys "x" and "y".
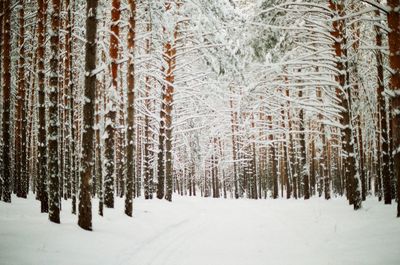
{"x": 192, "y": 231}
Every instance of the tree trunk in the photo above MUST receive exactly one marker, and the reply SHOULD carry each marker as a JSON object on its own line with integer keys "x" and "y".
{"x": 53, "y": 127}
{"x": 20, "y": 177}
{"x": 343, "y": 92}
{"x": 111, "y": 109}
{"x": 303, "y": 153}
{"x": 67, "y": 99}
{"x": 85, "y": 204}
{"x": 234, "y": 151}
{"x": 170, "y": 60}
{"x": 394, "y": 59}
{"x": 131, "y": 110}
{"x": 6, "y": 174}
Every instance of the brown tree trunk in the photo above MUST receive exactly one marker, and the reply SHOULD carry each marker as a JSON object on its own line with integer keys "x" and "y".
{"x": 161, "y": 143}
{"x": 160, "y": 157}
{"x": 20, "y": 176}
{"x": 148, "y": 178}
{"x": 120, "y": 139}
{"x": 303, "y": 153}
{"x": 98, "y": 156}
{"x": 170, "y": 59}
{"x": 234, "y": 151}
{"x": 53, "y": 126}
{"x": 362, "y": 162}
{"x": 138, "y": 183}
{"x": 325, "y": 166}
{"x": 312, "y": 168}
{"x": 67, "y": 97}
{"x": 6, "y": 173}
{"x": 85, "y": 204}
{"x": 2, "y": 7}
{"x": 42, "y": 161}
{"x": 131, "y": 110}
{"x": 345, "y": 96}
{"x": 275, "y": 190}
{"x": 383, "y": 141}
{"x": 112, "y": 107}
{"x": 394, "y": 59}
{"x": 382, "y": 132}
{"x": 71, "y": 108}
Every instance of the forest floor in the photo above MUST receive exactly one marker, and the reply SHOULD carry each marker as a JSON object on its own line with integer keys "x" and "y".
{"x": 199, "y": 231}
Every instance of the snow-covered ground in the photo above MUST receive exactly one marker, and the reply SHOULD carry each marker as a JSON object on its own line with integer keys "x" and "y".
{"x": 200, "y": 231}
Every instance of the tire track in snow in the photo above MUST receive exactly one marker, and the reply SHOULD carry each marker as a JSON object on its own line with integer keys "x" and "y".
{"x": 159, "y": 249}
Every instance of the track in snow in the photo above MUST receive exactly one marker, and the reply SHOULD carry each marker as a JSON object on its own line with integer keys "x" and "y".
{"x": 194, "y": 231}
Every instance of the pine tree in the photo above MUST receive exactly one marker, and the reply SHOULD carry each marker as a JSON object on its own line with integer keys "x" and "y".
{"x": 170, "y": 60}
{"x": 111, "y": 110}
{"x": 85, "y": 204}
{"x": 54, "y": 123}
{"x": 6, "y": 159}
{"x": 20, "y": 175}
{"x": 42, "y": 160}
{"x": 131, "y": 109}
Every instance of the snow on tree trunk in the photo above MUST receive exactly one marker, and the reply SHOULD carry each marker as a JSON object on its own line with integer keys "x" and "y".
{"x": 170, "y": 60}
{"x": 54, "y": 123}
{"x": 131, "y": 109}
{"x": 111, "y": 108}
{"x": 20, "y": 175}
{"x": 42, "y": 149}
{"x": 87, "y": 158}
{"x": 6, "y": 159}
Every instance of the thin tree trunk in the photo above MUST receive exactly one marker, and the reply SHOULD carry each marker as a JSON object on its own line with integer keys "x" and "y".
{"x": 20, "y": 177}
{"x": 234, "y": 151}
{"x": 99, "y": 155}
{"x": 67, "y": 95}
{"x": 303, "y": 153}
{"x": 112, "y": 108}
{"x": 131, "y": 110}
{"x": 6, "y": 174}
{"x": 2, "y": 7}
{"x": 170, "y": 59}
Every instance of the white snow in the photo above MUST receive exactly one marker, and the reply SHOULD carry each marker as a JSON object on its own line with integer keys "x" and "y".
{"x": 198, "y": 231}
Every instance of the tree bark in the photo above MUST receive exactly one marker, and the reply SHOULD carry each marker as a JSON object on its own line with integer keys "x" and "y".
{"x": 6, "y": 174}
{"x": 111, "y": 110}
{"x": 85, "y": 204}
{"x": 394, "y": 85}
{"x": 131, "y": 110}
{"x": 170, "y": 59}
{"x": 53, "y": 126}
{"x": 20, "y": 177}
{"x": 234, "y": 151}
{"x": 303, "y": 153}
{"x": 344, "y": 94}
